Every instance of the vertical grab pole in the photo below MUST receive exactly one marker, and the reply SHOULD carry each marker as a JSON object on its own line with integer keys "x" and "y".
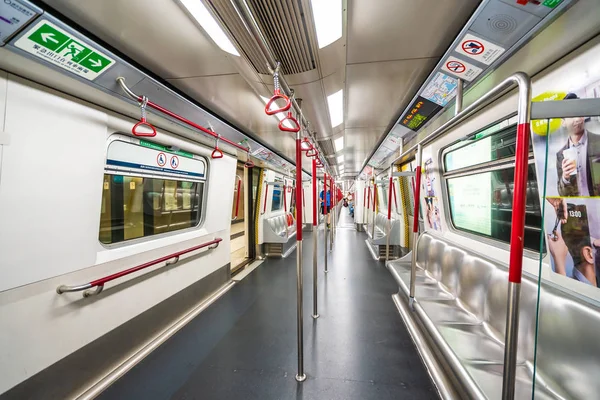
{"x": 325, "y": 217}
{"x": 315, "y": 313}
{"x": 458, "y": 103}
{"x": 237, "y": 199}
{"x": 364, "y": 203}
{"x": 389, "y": 224}
{"x": 368, "y": 204}
{"x": 300, "y": 376}
{"x": 374, "y": 206}
{"x": 332, "y": 212}
{"x": 517, "y": 233}
{"x": 413, "y": 261}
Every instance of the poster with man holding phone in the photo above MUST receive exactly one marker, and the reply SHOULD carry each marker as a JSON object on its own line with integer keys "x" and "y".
{"x": 572, "y": 175}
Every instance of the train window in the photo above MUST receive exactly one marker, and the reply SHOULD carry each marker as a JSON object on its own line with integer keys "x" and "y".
{"x": 480, "y": 199}
{"x": 277, "y": 200}
{"x": 149, "y": 189}
{"x": 135, "y": 207}
{"x": 481, "y": 148}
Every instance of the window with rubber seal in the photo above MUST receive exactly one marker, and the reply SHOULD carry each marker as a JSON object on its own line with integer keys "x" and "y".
{"x": 479, "y": 176}
{"x": 149, "y": 189}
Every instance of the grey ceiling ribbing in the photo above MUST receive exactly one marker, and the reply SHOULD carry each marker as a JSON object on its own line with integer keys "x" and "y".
{"x": 284, "y": 26}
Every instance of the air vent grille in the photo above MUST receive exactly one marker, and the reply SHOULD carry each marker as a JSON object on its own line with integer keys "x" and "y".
{"x": 285, "y": 28}
{"x": 327, "y": 146}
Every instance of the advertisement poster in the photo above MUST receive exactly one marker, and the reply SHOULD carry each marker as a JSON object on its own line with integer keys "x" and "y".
{"x": 432, "y": 209}
{"x": 567, "y": 153}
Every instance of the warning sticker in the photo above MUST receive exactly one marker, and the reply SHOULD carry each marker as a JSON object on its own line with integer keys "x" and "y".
{"x": 461, "y": 69}
{"x": 479, "y": 49}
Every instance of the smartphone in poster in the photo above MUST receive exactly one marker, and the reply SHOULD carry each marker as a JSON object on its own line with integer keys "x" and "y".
{"x": 567, "y": 154}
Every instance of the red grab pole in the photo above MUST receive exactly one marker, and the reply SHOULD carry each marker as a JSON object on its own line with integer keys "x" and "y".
{"x": 314, "y": 192}
{"x": 325, "y": 195}
{"x": 237, "y": 200}
{"x": 519, "y": 199}
{"x": 266, "y": 194}
{"x": 417, "y": 194}
{"x": 297, "y": 192}
{"x": 284, "y": 199}
{"x": 391, "y": 188}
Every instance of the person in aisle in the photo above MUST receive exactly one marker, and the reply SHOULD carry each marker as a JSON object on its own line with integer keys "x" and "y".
{"x": 328, "y": 206}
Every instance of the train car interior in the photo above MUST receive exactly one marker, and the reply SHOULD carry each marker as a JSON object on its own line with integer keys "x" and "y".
{"x": 299, "y": 199}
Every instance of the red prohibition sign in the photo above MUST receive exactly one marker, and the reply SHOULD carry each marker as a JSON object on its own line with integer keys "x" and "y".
{"x": 161, "y": 159}
{"x": 472, "y": 47}
{"x": 456, "y": 67}
{"x": 174, "y": 162}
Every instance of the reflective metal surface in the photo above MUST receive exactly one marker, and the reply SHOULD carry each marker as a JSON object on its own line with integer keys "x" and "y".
{"x": 461, "y": 298}
{"x": 300, "y": 376}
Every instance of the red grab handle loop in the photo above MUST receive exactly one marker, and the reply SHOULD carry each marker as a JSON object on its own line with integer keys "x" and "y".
{"x": 217, "y": 153}
{"x": 312, "y": 152}
{"x": 277, "y": 96}
{"x": 289, "y": 117}
{"x": 143, "y": 122}
{"x": 249, "y": 164}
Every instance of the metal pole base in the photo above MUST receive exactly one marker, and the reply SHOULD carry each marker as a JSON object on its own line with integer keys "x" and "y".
{"x": 301, "y": 378}
{"x": 411, "y": 303}
{"x": 315, "y": 316}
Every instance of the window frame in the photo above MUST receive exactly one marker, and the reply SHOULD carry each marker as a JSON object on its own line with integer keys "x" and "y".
{"x": 490, "y": 166}
{"x": 117, "y": 136}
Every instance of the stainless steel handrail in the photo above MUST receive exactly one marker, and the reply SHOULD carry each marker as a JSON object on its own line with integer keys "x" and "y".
{"x": 99, "y": 283}
{"x": 523, "y": 82}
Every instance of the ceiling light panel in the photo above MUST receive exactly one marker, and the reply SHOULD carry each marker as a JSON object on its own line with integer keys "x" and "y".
{"x": 340, "y": 159}
{"x": 339, "y": 144}
{"x": 210, "y": 25}
{"x": 328, "y": 20}
{"x": 336, "y": 108}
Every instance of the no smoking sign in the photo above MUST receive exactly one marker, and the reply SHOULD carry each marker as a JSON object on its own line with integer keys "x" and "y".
{"x": 461, "y": 69}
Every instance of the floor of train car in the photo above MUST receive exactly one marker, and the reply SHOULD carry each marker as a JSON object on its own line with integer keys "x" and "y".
{"x": 244, "y": 345}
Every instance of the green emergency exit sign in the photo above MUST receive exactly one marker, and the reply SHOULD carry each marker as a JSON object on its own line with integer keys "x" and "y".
{"x": 551, "y": 3}
{"x": 56, "y": 46}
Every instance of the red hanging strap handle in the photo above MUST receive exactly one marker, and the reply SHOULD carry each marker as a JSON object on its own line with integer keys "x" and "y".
{"x": 296, "y": 126}
{"x": 266, "y": 194}
{"x": 143, "y": 123}
{"x": 277, "y": 95}
{"x": 217, "y": 153}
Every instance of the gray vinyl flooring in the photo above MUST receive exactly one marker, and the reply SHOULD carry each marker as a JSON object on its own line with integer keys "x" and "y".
{"x": 244, "y": 345}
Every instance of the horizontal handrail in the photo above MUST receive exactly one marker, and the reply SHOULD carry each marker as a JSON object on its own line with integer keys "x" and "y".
{"x": 171, "y": 114}
{"x": 99, "y": 283}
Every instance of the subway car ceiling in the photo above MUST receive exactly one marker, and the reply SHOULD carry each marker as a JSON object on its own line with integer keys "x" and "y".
{"x": 360, "y": 74}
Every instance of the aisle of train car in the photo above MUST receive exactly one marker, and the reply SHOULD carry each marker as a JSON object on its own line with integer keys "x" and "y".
{"x": 243, "y": 346}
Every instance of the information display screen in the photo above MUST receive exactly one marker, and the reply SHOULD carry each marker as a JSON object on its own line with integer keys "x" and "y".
{"x": 420, "y": 112}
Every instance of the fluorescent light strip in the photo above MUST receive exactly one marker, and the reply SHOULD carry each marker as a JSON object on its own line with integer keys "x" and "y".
{"x": 340, "y": 159}
{"x": 208, "y": 23}
{"x": 336, "y": 107}
{"x": 339, "y": 144}
{"x": 328, "y": 20}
